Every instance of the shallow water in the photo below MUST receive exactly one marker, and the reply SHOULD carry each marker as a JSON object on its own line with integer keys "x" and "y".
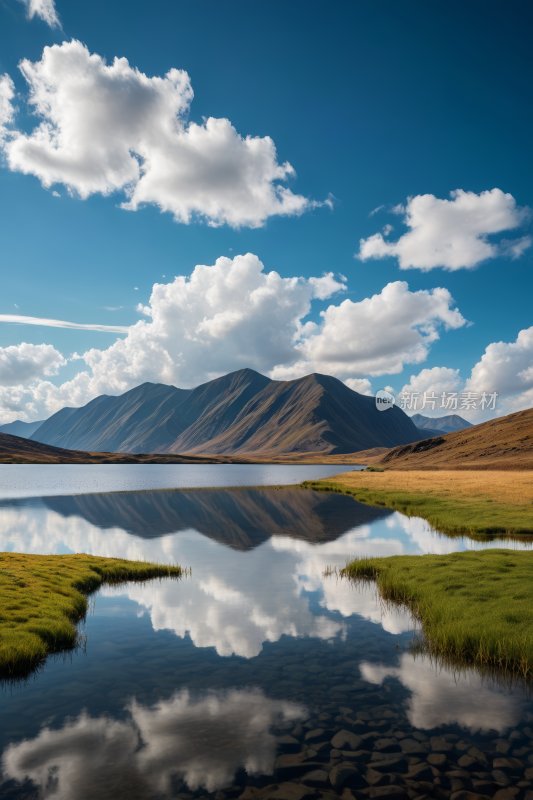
{"x": 187, "y": 688}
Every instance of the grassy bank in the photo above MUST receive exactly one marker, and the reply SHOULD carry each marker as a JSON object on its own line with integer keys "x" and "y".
{"x": 474, "y": 503}
{"x": 42, "y": 598}
{"x": 476, "y": 606}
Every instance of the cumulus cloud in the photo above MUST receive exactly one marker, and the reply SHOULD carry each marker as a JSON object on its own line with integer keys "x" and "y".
{"x": 24, "y": 362}
{"x": 233, "y": 315}
{"x": 375, "y": 336}
{"x": 111, "y": 128}
{"x": 507, "y": 368}
{"x": 203, "y": 741}
{"x": 58, "y": 323}
{"x": 451, "y": 233}
{"x": 44, "y": 9}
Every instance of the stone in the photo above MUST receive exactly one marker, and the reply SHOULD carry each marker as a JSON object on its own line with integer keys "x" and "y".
{"x": 281, "y": 791}
{"x": 387, "y": 746}
{"x": 483, "y": 786}
{"x": 358, "y": 755}
{"x": 467, "y": 762}
{"x": 317, "y": 733}
{"x": 343, "y": 774}
{"x": 458, "y": 773}
{"x": 288, "y": 744}
{"x": 511, "y": 764}
{"x": 421, "y": 772}
{"x": 316, "y": 778}
{"x": 506, "y": 794}
{"x": 529, "y": 774}
{"x": 516, "y": 736}
{"x": 419, "y": 736}
{"x": 391, "y": 791}
{"x": 464, "y": 795}
{"x": 413, "y": 747}
{"x": 390, "y": 765}
{"x": 437, "y": 759}
{"x": 375, "y": 778}
{"x": 346, "y": 740}
{"x": 500, "y": 777}
{"x": 439, "y": 744}
{"x": 502, "y": 746}
{"x": 335, "y": 753}
{"x": 479, "y": 754}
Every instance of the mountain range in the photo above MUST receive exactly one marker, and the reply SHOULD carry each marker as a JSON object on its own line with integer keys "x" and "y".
{"x": 243, "y": 412}
{"x": 440, "y": 425}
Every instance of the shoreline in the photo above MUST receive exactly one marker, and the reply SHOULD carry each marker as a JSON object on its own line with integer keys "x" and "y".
{"x": 485, "y": 621}
{"x": 43, "y": 598}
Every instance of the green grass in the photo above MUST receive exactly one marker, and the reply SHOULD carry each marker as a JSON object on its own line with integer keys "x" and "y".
{"x": 43, "y": 597}
{"x": 473, "y": 606}
{"x": 476, "y": 517}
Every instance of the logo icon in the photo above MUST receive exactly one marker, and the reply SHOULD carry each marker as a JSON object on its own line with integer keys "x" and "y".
{"x": 384, "y": 400}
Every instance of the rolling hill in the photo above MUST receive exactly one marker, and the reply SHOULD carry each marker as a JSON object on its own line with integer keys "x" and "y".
{"x": 18, "y": 450}
{"x": 240, "y": 413}
{"x": 503, "y": 444}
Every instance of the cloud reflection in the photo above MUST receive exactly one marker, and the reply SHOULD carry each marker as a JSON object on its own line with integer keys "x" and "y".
{"x": 203, "y": 741}
{"x": 441, "y": 696}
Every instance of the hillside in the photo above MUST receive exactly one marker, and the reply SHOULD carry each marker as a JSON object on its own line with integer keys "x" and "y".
{"x": 504, "y": 444}
{"x": 240, "y": 413}
{"x": 447, "y": 424}
{"x": 20, "y": 428}
{"x": 17, "y": 450}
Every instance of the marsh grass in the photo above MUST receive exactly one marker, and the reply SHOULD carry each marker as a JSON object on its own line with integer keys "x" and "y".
{"x": 43, "y": 597}
{"x": 454, "y": 503}
{"x": 474, "y": 607}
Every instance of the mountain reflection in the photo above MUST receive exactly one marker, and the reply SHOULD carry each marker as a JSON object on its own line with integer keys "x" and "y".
{"x": 240, "y": 518}
{"x": 201, "y": 741}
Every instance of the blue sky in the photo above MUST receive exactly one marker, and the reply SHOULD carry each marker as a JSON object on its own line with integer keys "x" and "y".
{"x": 371, "y": 104}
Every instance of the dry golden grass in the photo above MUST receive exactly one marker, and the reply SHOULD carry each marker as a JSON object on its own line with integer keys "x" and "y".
{"x": 515, "y": 488}
{"x": 479, "y": 504}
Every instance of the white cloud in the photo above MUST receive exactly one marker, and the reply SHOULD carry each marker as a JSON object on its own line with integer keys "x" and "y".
{"x": 44, "y": 9}
{"x": 203, "y": 741}
{"x": 361, "y": 385}
{"x": 233, "y": 315}
{"x": 7, "y": 111}
{"x": 432, "y": 381}
{"x": 507, "y": 368}
{"x": 58, "y": 323}
{"x": 110, "y": 128}
{"x": 24, "y": 362}
{"x": 451, "y": 233}
{"x": 445, "y": 697}
{"x": 375, "y": 336}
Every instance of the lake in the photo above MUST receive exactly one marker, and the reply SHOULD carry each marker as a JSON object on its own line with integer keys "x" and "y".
{"x": 255, "y": 671}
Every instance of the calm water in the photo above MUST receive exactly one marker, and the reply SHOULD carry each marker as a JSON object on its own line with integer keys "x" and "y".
{"x": 190, "y": 688}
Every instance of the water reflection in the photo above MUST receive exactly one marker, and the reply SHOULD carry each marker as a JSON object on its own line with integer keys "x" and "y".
{"x": 202, "y": 741}
{"x": 442, "y": 696}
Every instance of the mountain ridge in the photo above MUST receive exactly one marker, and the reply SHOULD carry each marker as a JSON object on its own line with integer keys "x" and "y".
{"x": 241, "y": 412}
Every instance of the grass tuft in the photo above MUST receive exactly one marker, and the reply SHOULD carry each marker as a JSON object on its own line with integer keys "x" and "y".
{"x": 43, "y": 597}
{"x": 473, "y": 606}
